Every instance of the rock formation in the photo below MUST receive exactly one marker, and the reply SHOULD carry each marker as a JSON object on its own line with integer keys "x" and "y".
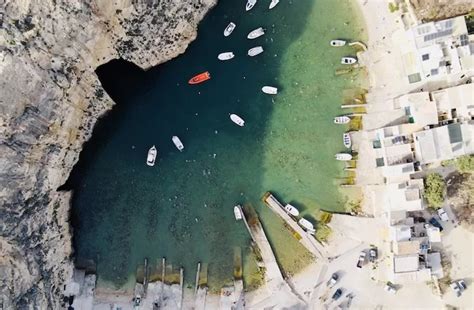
{"x": 50, "y": 100}
{"x": 429, "y": 10}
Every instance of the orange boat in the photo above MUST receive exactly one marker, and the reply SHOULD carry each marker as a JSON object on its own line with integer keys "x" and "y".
{"x": 200, "y": 78}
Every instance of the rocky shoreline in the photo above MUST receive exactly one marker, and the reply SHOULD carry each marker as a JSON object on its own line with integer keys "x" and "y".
{"x": 51, "y": 99}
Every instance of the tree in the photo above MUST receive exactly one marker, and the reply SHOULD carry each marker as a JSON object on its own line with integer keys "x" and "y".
{"x": 434, "y": 190}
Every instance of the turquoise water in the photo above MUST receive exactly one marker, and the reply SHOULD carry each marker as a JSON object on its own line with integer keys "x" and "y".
{"x": 182, "y": 208}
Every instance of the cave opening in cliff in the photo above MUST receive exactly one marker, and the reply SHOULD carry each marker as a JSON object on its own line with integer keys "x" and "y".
{"x": 182, "y": 208}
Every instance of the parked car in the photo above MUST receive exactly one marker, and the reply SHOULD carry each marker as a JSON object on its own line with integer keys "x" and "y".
{"x": 373, "y": 254}
{"x": 361, "y": 260}
{"x": 458, "y": 287}
{"x": 443, "y": 215}
{"x": 331, "y": 282}
{"x": 435, "y": 223}
{"x": 337, "y": 294}
{"x": 389, "y": 287}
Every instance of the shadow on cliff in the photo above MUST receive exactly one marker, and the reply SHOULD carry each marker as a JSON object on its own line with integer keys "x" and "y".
{"x": 123, "y": 210}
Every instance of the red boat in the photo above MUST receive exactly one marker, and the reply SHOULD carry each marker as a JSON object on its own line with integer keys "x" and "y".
{"x": 202, "y": 77}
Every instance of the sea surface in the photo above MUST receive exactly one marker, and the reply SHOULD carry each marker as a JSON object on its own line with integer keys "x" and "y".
{"x": 182, "y": 208}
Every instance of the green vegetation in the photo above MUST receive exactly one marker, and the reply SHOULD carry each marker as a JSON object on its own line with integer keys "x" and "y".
{"x": 434, "y": 190}
{"x": 464, "y": 164}
{"x": 323, "y": 232}
{"x": 392, "y": 7}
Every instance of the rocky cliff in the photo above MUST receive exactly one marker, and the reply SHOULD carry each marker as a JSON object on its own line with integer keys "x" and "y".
{"x": 50, "y": 98}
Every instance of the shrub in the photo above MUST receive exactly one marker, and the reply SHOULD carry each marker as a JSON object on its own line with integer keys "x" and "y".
{"x": 465, "y": 164}
{"x": 392, "y": 7}
{"x": 434, "y": 190}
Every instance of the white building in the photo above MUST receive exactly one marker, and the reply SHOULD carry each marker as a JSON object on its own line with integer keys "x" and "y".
{"x": 455, "y": 103}
{"x": 444, "y": 143}
{"x": 437, "y": 49}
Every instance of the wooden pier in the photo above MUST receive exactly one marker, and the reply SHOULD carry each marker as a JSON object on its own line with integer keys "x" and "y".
{"x": 307, "y": 240}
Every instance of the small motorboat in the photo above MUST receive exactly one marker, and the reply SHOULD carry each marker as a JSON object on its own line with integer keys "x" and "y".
{"x": 228, "y": 30}
{"x": 270, "y": 90}
{"x": 254, "y": 51}
{"x": 307, "y": 225}
{"x": 238, "y": 212}
{"x": 256, "y": 33}
{"x": 273, "y": 4}
{"x": 347, "y": 140}
{"x": 342, "y": 119}
{"x": 177, "y": 142}
{"x": 201, "y": 77}
{"x": 343, "y": 156}
{"x": 150, "y": 159}
{"x": 237, "y": 119}
{"x": 291, "y": 210}
{"x": 250, "y": 4}
{"x": 337, "y": 43}
{"x": 225, "y": 56}
{"x": 348, "y": 60}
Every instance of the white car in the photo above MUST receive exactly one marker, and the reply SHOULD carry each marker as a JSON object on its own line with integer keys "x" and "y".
{"x": 443, "y": 215}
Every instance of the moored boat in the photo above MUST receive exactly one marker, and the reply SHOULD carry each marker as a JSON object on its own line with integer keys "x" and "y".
{"x": 348, "y": 60}
{"x": 250, "y": 4}
{"x": 228, "y": 30}
{"x": 177, "y": 142}
{"x": 343, "y": 156}
{"x": 270, "y": 90}
{"x": 201, "y": 77}
{"x": 347, "y": 140}
{"x": 151, "y": 157}
{"x": 254, "y": 51}
{"x": 337, "y": 43}
{"x": 307, "y": 225}
{"x": 342, "y": 119}
{"x": 225, "y": 56}
{"x": 237, "y": 120}
{"x": 291, "y": 210}
{"x": 256, "y": 33}
{"x": 238, "y": 212}
{"x": 273, "y": 4}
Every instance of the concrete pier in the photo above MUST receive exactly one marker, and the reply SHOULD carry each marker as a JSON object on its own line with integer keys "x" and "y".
{"x": 307, "y": 240}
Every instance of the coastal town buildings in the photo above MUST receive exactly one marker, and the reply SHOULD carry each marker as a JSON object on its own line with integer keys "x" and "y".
{"x": 438, "y": 50}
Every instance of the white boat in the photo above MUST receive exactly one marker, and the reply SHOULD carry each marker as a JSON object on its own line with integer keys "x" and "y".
{"x": 307, "y": 225}
{"x": 348, "y": 60}
{"x": 291, "y": 210}
{"x": 337, "y": 43}
{"x": 347, "y": 140}
{"x": 256, "y": 33}
{"x": 178, "y": 143}
{"x": 238, "y": 212}
{"x": 270, "y": 90}
{"x": 225, "y": 56}
{"x": 228, "y": 30}
{"x": 342, "y": 119}
{"x": 150, "y": 159}
{"x": 343, "y": 156}
{"x": 273, "y": 4}
{"x": 237, "y": 119}
{"x": 254, "y": 51}
{"x": 250, "y": 4}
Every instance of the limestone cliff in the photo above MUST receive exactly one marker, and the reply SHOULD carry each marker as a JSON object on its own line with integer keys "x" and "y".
{"x": 50, "y": 99}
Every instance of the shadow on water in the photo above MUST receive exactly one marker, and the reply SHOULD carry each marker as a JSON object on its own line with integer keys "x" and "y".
{"x": 123, "y": 210}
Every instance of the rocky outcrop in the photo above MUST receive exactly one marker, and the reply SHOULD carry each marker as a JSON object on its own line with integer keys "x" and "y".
{"x": 430, "y": 10}
{"x": 50, "y": 99}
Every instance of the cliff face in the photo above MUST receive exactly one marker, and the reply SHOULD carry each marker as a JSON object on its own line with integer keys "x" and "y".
{"x": 50, "y": 99}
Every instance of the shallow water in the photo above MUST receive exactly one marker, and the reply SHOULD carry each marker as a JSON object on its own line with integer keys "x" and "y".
{"x": 182, "y": 208}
